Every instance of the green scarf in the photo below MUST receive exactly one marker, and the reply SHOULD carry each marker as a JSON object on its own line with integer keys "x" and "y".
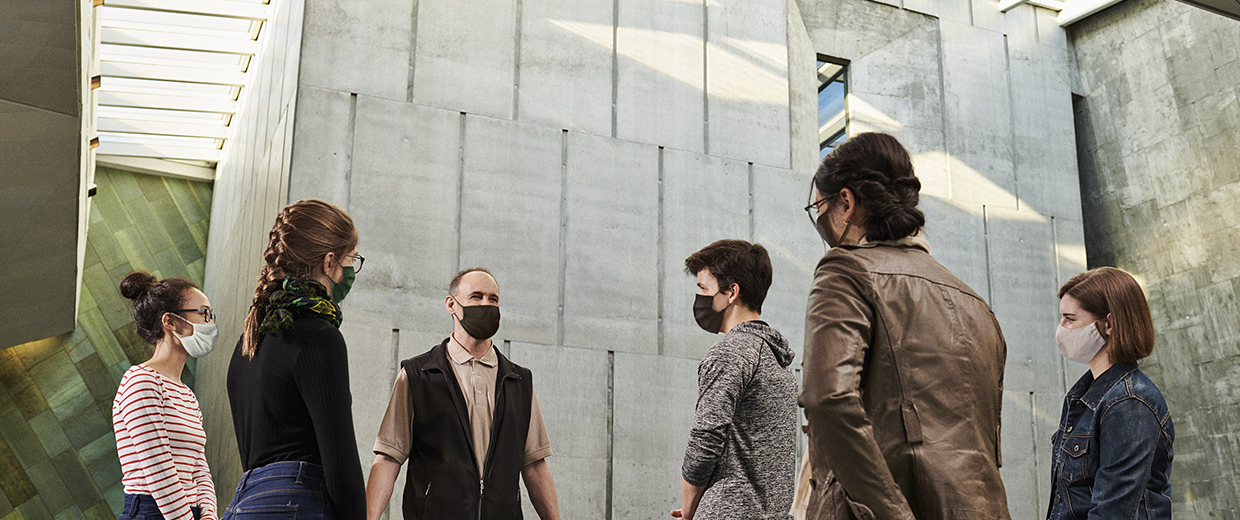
{"x": 298, "y": 298}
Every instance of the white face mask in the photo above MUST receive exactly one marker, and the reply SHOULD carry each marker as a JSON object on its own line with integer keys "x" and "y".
{"x": 1079, "y": 344}
{"x": 202, "y": 341}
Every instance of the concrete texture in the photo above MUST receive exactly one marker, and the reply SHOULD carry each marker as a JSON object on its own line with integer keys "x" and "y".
{"x": 660, "y": 73}
{"x": 782, "y": 227}
{"x": 515, "y": 231}
{"x": 612, "y": 220}
{"x": 1156, "y": 132}
{"x": 566, "y": 64}
{"x": 747, "y": 81}
{"x": 360, "y": 47}
{"x": 465, "y": 55}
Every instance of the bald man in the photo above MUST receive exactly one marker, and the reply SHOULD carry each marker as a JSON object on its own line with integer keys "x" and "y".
{"x": 477, "y": 424}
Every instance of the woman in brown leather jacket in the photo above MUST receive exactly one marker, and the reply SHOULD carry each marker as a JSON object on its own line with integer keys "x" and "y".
{"x": 903, "y": 361}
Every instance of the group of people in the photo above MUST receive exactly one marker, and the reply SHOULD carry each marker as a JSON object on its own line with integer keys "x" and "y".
{"x": 902, "y": 386}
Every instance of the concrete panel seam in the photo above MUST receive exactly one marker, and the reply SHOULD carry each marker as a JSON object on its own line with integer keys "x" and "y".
{"x": 611, "y": 423}
{"x": 705, "y": 82}
{"x": 348, "y": 173}
{"x": 395, "y": 368}
{"x": 460, "y": 188}
{"x": 1007, "y": 72}
{"x": 563, "y": 234}
{"x": 661, "y": 260}
{"x": 986, "y": 238}
{"x": 751, "y": 208}
{"x": 943, "y": 104}
{"x": 615, "y": 84}
{"x": 1033, "y": 433}
{"x": 413, "y": 50}
{"x": 516, "y": 63}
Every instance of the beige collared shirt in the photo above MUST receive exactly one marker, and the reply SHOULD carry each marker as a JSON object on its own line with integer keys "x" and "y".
{"x": 476, "y": 377}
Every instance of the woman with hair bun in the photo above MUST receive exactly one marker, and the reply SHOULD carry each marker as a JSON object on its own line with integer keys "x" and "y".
{"x": 159, "y": 435}
{"x": 288, "y": 381}
{"x": 1112, "y": 452}
{"x": 903, "y": 367}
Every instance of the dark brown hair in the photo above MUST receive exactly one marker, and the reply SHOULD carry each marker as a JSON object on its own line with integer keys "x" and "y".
{"x": 1110, "y": 293}
{"x": 304, "y": 233}
{"x": 456, "y": 280}
{"x": 878, "y": 171}
{"x": 152, "y": 299}
{"x": 736, "y": 262}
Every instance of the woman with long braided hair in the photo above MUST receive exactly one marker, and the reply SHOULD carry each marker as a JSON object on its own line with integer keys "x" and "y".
{"x": 288, "y": 381}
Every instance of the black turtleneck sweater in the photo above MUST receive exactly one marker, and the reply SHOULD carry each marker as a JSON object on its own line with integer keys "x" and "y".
{"x": 291, "y": 402}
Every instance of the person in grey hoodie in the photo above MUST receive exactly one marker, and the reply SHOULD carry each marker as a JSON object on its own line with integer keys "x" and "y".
{"x": 741, "y": 458}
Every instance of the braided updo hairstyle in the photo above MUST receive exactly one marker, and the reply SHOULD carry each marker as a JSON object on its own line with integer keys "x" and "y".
{"x": 151, "y": 299}
{"x": 878, "y": 170}
{"x": 303, "y": 234}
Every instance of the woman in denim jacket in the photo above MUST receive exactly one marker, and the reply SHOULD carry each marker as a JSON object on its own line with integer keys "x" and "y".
{"x": 1112, "y": 452}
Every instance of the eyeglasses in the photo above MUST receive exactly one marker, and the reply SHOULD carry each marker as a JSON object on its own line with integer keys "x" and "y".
{"x": 206, "y": 313}
{"x": 359, "y": 259}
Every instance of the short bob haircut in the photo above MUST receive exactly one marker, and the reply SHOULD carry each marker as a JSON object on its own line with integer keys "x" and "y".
{"x": 736, "y": 262}
{"x": 1109, "y": 291}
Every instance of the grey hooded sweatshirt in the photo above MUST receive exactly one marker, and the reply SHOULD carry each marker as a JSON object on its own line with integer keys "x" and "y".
{"x": 743, "y": 442}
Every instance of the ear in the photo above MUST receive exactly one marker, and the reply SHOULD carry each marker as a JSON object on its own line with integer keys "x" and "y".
{"x": 170, "y": 324}
{"x": 1106, "y": 326}
{"x": 449, "y": 304}
{"x": 848, "y": 203}
{"x": 734, "y": 293}
{"x": 329, "y": 259}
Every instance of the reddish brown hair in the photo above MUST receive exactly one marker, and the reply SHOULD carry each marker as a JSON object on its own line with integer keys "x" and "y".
{"x": 303, "y": 234}
{"x": 1107, "y": 292}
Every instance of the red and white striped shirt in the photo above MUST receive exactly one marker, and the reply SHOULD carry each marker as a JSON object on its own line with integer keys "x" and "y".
{"x": 161, "y": 444}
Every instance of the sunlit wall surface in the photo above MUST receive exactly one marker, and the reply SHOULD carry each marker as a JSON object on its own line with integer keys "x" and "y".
{"x": 581, "y": 150}
{"x": 1158, "y": 129}
{"x": 57, "y": 450}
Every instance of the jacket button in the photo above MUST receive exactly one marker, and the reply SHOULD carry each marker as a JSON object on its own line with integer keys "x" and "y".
{"x": 1076, "y": 447}
{"x": 1056, "y": 496}
{"x": 1069, "y": 428}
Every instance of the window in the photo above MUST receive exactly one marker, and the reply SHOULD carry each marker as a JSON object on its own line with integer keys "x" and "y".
{"x": 832, "y": 113}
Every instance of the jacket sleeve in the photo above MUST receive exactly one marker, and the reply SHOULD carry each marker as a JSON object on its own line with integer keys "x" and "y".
{"x": 721, "y": 380}
{"x": 322, "y": 377}
{"x": 1128, "y": 439}
{"x": 838, "y": 326}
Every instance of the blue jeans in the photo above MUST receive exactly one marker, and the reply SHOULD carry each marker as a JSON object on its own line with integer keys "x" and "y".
{"x": 142, "y": 507}
{"x": 281, "y": 490}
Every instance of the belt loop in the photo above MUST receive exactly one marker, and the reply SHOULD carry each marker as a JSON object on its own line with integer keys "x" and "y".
{"x": 244, "y": 477}
{"x": 301, "y": 470}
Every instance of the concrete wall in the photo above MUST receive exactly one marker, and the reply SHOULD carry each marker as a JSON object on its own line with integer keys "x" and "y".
{"x": 250, "y": 188}
{"x": 1157, "y": 128}
{"x": 582, "y": 148}
{"x": 982, "y": 100}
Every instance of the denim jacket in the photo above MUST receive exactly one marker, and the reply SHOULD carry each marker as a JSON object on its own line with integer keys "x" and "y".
{"x": 1112, "y": 452}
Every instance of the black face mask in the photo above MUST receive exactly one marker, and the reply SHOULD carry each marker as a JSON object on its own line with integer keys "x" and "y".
{"x": 705, "y": 314}
{"x": 479, "y": 321}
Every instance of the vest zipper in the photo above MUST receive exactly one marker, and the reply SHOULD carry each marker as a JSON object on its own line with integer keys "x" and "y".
{"x": 481, "y": 487}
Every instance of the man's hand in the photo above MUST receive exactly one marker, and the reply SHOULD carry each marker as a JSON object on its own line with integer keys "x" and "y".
{"x": 379, "y": 486}
{"x": 690, "y": 495}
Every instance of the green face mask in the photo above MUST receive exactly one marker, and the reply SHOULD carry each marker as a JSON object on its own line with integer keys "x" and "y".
{"x": 341, "y": 289}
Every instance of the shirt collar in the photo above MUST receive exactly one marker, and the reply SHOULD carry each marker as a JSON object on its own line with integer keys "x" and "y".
{"x": 1091, "y": 391}
{"x": 460, "y": 356}
{"x": 916, "y": 240}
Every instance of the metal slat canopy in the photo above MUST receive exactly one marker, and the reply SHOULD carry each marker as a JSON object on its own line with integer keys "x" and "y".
{"x": 171, "y": 74}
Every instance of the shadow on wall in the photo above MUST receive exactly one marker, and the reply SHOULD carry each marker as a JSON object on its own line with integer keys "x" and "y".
{"x": 57, "y": 450}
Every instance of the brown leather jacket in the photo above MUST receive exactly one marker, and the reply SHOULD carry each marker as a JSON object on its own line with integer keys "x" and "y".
{"x": 903, "y": 388}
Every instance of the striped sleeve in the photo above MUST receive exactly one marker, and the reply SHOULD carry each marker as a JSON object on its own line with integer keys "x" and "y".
{"x": 145, "y": 447}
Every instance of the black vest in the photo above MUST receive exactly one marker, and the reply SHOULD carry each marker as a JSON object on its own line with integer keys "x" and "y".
{"x": 442, "y": 480}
